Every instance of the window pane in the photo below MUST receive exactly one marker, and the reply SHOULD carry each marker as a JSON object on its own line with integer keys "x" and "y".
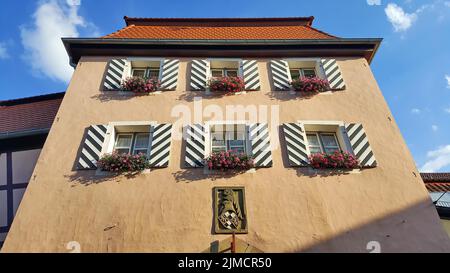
{"x": 124, "y": 141}
{"x": 3, "y": 208}
{"x": 153, "y": 73}
{"x": 329, "y": 141}
{"x": 122, "y": 151}
{"x": 141, "y": 141}
{"x": 314, "y": 149}
{"x": 231, "y": 73}
{"x": 331, "y": 150}
{"x": 312, "y": 140}
{"x": 216, "y": 73}
{"x": 140, "y": 151}
{"x": 295, "y": 74}
{"x": 309, "y": 73}
{"x": 138, "y": 72}
{"x": 23, "y": 163}
{"x": 218, "y": 139}
{"x": 219, "y": 149}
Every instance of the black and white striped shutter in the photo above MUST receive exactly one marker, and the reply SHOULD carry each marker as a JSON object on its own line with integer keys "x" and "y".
{"x": 280, "y": 75}
{"x": 333, "y": 74}
{"x": 199, "y": 74}
{"x": 260, "y": 142}
{"x": 92, "y": 147}
{"x": 116, "y": 71}
{"x": 195, "y": 146}
{"x": 160, "y": 145}
{"x": 295, "y": 138}
{"x": 250, "y": 74}
{"x": 169, "y": 74}
{"x": 360, "y": 145}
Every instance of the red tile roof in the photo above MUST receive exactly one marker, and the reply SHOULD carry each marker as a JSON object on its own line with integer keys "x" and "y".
{"x": 220, "y": 29}
{"x": 436, "y": 182}
{"x": 29, "y": 114}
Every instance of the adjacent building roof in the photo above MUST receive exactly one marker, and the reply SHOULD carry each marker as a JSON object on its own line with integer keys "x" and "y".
{"x": 291, "y": 28}
{"x": 28, "y": 115}
{"x": 436, "y": 182}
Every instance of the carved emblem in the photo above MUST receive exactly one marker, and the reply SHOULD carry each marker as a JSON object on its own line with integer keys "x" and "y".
{"x": 230, "y": 215}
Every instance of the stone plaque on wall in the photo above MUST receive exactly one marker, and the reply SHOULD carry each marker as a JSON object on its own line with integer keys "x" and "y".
{"x": 230, "y": 214}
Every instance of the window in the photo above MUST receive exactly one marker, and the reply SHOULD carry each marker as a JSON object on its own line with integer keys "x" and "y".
{"x": 228, "y": 137}
{"x": 322, "y": 142}
{"x": 302, "y": 72}
{"x": 224, "y": 72}
{"x": 149, "y": 72}
{"x": 132, "y": 143}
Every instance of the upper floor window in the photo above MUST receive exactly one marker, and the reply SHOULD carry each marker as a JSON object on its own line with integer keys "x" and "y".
{"x": 228, "y": 137}
{"x": 132, "y": 143}
{"x": 145, "y": 69}
{"x": 319, "y": 142}
{"x": 309, "y": 72}
{"x": 220, "y": 68}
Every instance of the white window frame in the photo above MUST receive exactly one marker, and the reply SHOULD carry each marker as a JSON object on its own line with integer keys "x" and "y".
{"x": 146, "y": 71}
{"x": 322, "y": 146}
{"x": 318, "y": 69}
{"x": 132, "y": 148}
{"x": 323, "y": 126}
{"x": 208, "y": 139}
{"x": 128, "y": 71}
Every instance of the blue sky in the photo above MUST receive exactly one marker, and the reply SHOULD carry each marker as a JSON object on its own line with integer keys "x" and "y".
{"x": 412, "y": 66}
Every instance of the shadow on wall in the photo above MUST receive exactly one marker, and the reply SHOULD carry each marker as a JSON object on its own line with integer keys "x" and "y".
{"x": 414, "y": 229}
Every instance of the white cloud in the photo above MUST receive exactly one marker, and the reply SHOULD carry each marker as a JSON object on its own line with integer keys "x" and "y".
{"x": 44, "y": 51}
{"x": 400, "y": 20}
{"x": 373, "y": 2}
{"x": 447, "y": 110}
{"x": 447, "y": 77}
{"x": 3, "y": 51}
{"x": 434, "y": 128}
{"x": 437, "y": 159}
{"x": 416, "y": 111}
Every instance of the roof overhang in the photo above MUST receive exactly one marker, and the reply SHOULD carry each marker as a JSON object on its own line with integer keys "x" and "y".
{"x": 348, "y": 47}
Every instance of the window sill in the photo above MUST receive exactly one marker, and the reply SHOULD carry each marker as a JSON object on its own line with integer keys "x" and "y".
{"x": 207, "y": 171}
{"x": 313, "y": 172}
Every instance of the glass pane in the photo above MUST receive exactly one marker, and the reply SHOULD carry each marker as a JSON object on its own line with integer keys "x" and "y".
{"x": 3, "y": 208}
{"x": 331, "y": 150}
{"x": 138, "y": 72}
{"x": 123, "y": 151}
{"x": 140, "y": 151}
{"x": 23, "y": 163}
{"x": 295, "y": 74}
{"x": 218, "y": 139}
{"x": 219, "y": 149}
{"x": 312, "y": 140}
{"x": 314, "y": 149}
{"x": 231, "y": 73}
{"x": 329, "y": 141}
{"x": 153, "y": 73}
{"x": 309, "y": 73}
{"x": 217, "y": 73}
{"x": 124, "y": 141}
{"x": 141, "y": 141}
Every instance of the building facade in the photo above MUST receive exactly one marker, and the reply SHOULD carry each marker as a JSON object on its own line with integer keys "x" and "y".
{"x": 282, "y": 203}
{"x": 24, "y": 126}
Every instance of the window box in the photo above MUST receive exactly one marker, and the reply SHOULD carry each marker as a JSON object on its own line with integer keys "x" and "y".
{"x": 226, "y": 84}
{"x": 123, "y": 162}
{"x": 140, "y": 85}
{"x": 229, "y": 160}
{"x": 310, "y": 85}
{"x": 336, "y": 160}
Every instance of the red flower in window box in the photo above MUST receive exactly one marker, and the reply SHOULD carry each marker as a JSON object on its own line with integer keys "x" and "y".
{"x": 310, "y": 85}
{"x": 120, "y": 163}
{"x": 230, "y": 160}
{"x": 140, "y": 85}
{"x": 226, "y": 84}
{"x": 337, "y": 160}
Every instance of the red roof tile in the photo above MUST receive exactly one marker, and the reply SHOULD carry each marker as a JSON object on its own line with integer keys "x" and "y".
{"x": 220, "y": 29}
{"x": 29, "y": 113}
{"x": 436, "y": 182}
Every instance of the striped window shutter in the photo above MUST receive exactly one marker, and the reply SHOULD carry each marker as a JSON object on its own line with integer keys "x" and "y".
{"x": 360, "y": 145}
{"x": 260, "y": 142}
{"x": 251, "y": 74}
{"x": 295, "y": 138}
{"x": 116, "y": 71}
{"x": 199, "y": 74}
{"x": 195, "y": 146}
{"x": 169, "y": 74}
{"x": 280, "y": 75}
{"x": 92, "y": 147}
{"x": 333, "y": 74}
{"x": 160, "y": 145}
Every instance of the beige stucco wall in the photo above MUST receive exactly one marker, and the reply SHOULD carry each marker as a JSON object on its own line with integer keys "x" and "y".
{"x": 170, "y": 210}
